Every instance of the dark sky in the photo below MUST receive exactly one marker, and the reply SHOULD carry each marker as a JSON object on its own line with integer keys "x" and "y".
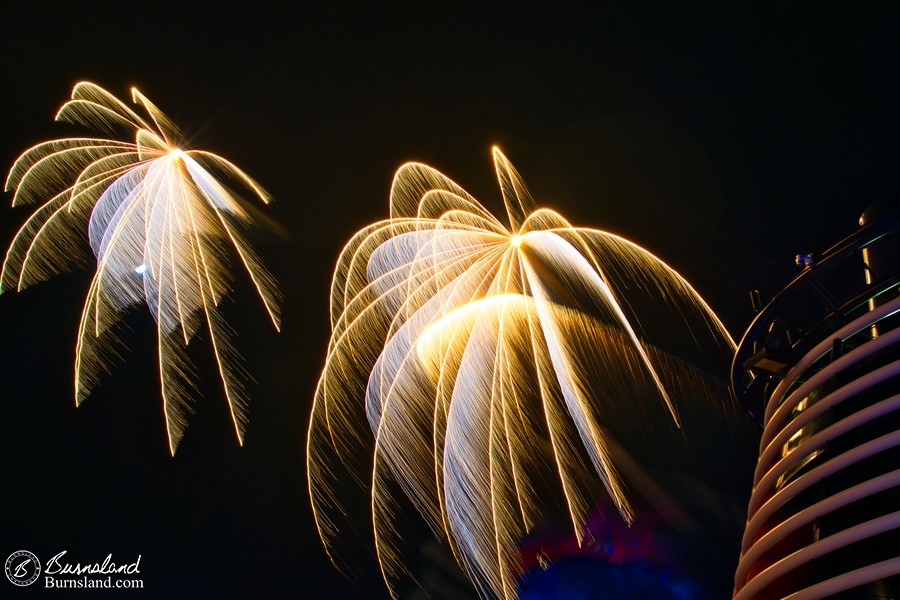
{"x": 724, "y": 140}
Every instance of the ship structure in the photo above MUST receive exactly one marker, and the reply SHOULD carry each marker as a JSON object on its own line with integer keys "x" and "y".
{"x": 819, "y": 369}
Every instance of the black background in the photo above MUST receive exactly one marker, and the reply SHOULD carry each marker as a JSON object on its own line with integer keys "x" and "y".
{"x": 725, "y": 140}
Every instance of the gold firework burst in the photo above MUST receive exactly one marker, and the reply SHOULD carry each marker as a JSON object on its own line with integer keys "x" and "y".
{"x": 485, "y": 363}
{"x": 164, "y": 228}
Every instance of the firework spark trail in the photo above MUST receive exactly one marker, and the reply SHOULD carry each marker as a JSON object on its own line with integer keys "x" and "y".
{"x": 472, "y": 352}
{"x": 163, "y": 230}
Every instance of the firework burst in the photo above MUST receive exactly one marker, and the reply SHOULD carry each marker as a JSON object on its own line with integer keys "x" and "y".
{"x": 164, "y": 229}
{"x": 477, "y": 369}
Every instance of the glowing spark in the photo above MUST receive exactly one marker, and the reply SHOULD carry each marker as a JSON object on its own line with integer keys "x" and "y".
{"x": 490, "y": 361}
{"x": 149, "y": 203}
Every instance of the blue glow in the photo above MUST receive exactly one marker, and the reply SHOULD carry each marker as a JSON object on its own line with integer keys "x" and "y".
{"x": 590, "y": 579}
{"x": 140, "y": 270}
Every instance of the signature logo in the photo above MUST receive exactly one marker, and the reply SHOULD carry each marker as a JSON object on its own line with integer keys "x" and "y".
{"x": 22, "y": 568}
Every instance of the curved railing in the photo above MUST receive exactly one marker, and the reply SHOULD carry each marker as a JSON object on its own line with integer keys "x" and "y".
{"x": 824, "y": 308}
{"x": 824, "y": 514}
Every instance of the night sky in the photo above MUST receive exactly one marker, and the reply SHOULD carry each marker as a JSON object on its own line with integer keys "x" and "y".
{"x": 724, "y": 140}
